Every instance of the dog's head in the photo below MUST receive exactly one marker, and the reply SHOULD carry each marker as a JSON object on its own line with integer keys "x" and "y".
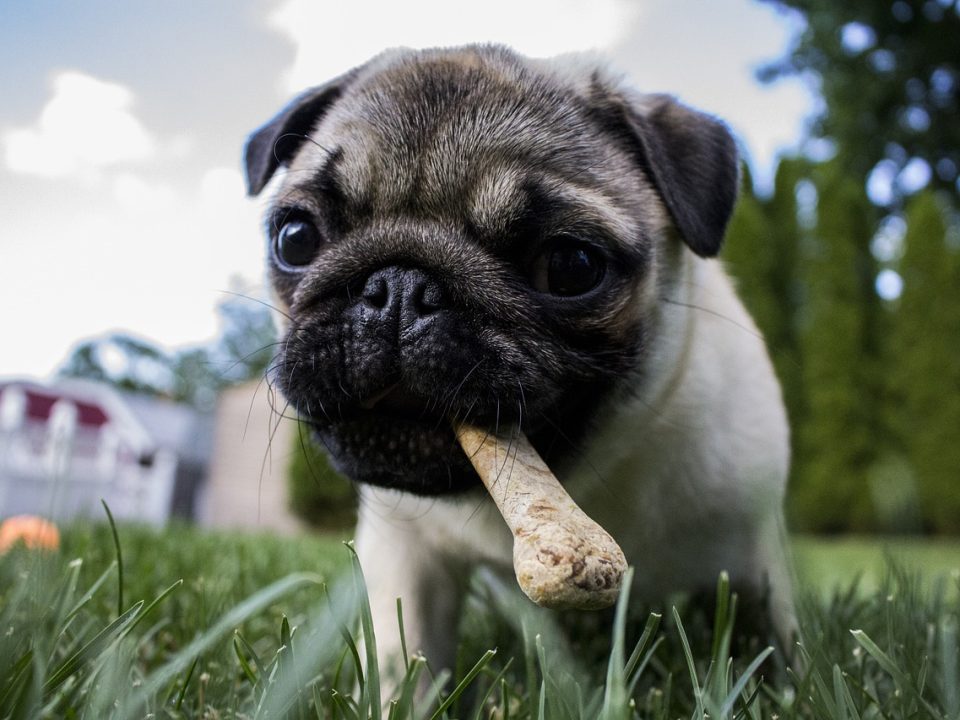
{"x": 471, "y": 235}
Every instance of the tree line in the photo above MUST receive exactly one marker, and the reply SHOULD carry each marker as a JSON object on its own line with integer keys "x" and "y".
{"x": 871, "y": 375}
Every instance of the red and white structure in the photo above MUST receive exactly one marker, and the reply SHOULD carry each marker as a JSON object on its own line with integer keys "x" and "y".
{"x": 66, "y": 445}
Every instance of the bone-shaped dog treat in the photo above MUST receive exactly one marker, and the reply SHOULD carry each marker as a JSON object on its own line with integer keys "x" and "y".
{"x": 562, "y": 558}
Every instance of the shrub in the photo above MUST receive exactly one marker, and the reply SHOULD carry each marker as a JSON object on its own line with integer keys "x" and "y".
{"x": 319, "y": 495}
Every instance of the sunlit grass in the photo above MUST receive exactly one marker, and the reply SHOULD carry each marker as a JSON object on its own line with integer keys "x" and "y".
{"x": 826, "y": 562}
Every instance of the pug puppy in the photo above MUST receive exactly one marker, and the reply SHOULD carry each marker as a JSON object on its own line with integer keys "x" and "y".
{"x": 471, "y": 235}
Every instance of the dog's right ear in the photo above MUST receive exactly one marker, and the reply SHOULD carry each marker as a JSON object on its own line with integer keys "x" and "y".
{"x": 690, "y": 157}
{"x": 275, "y": 143}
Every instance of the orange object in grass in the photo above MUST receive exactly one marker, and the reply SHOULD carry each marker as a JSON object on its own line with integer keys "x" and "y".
{"x": 32, "y": 531}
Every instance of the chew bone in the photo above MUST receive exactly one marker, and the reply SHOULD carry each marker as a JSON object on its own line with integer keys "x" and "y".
{"x": 562, "y": 558}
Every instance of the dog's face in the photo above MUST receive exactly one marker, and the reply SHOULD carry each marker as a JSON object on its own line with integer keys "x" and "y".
{"x": 469, "y": 235}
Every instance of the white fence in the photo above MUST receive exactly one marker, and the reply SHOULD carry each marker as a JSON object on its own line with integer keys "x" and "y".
{"x": 61, "y": 470}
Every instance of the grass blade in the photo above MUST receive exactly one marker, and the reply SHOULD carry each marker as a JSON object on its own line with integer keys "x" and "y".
{"x": 720, "y": 624}
{"x": 741, "y": 683}
{"x": 370, "y": 700}
{"x": 948, "y": 664}
{"x": 494, "y": 684}
{"x": 186, "y": 682}
{"x": 116, "y": 545}
{"x": 244, "y": 665}
{"x": 261, "y": 599}
{"x": 88, "y": 595}
{"x": 464, "y": 684}
{"x": 640, "y": 654}
{"x": 748, "y": 703}
{"x": 884, "y": 660}
{"x": 67, "y": 591}
{"x": 160, "y": 598}
{"x": 343, "y": 706}
{"x": 403, "y": 705}
{"x": 355, "y": 654}
{"x": 615, "y": 696}
{"x": 691, "y": 666}
{"x": 403, "y": 634}
{"x": 93, "y": 648}
{"x": 14, "y": 679}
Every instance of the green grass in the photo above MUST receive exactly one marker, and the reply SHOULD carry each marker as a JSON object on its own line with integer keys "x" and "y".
{"x": 825, "y": 563}
{"x": 216, "y": 625}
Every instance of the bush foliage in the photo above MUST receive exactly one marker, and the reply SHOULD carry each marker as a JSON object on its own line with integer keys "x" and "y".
{"x": 872, "y": 385}
{"x": 319, "y": 494}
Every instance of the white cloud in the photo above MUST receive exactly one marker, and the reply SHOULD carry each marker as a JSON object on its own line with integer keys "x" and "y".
{"x": 86, "y": 126}
{"x": 330, "y": 38}
{"x": 107, "y": 234}
{"x": 135, "y": 252}
{"x": 707, "y": 54}
{"x": 136, "y": 195}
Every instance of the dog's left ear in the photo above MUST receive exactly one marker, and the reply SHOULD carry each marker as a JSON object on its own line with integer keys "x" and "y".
{"x": 275, "y": 143}
{"x": 692, "y": 160}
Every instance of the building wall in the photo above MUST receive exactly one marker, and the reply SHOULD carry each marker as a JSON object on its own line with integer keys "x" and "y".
{"x": 246, "y": 486}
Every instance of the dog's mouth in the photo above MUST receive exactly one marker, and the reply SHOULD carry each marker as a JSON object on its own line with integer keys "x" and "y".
{"x": 395, "y": 399}
{"x": 397, "y": 438}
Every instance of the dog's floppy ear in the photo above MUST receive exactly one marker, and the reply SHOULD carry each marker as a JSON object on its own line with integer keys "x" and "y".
{"x": 275, "y": 143}
{"x": 692, "y": 159}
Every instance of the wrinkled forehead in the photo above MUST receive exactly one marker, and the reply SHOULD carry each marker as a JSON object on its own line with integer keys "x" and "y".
{"x": 427, "y": 130}
{"x": 469, "y": 137}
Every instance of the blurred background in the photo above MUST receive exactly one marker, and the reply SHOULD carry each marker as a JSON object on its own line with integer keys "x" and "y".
{"x": 135, "y": 329}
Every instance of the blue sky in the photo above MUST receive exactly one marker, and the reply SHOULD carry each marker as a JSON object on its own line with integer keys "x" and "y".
{"x": 121, "y": 127}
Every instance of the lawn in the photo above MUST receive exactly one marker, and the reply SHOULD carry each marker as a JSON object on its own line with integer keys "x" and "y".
{"x": 222, "y": 625}
{"x": 822, "y": 564}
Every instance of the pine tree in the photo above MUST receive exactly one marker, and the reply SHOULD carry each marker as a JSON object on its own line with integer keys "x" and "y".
{"x": 761, "y": 254}
{"x": 925, "y": 345}
{"x": 781, "y": 210}
{"x": 837, "y": 438}
{"x": 888, "y": 73}
{"x": 750, "y": 255}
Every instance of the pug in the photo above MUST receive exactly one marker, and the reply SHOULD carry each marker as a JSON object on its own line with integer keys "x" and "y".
{"x": 469, "y": 235}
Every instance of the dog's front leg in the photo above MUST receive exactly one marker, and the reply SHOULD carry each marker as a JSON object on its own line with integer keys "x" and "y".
{"x": 397, "y": 563}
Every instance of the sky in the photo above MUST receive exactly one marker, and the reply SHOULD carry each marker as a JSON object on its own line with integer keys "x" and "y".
{"x": 122, "y": 204}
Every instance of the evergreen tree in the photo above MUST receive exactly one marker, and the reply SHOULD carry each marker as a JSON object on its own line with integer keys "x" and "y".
{"x": 782, "y": 215}
{"x": 837, "y": 437}
{"x": 751, "y": 256}
{"x": 193, "y": 375}
{"x": 925, "y": 347}
{"x": 761, "y": 254}
{"x": 889, "y": 75}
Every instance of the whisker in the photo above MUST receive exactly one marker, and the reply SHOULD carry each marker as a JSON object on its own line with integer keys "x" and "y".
{"x": 243, "y": 360}
{"x": 268, "y": 457}
{"x": 267, "y": 305}
{"x": 256, "y": 391}
{"x": 579, "y": 453}
{"x": 714, "y": 313}
{"x": 521, "y": 404}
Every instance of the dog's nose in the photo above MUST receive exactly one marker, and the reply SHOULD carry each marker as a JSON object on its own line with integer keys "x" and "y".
{"x": 405, "y": 294}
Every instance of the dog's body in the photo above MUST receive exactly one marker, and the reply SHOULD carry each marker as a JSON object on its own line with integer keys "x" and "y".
{"x": 472, "y": 235}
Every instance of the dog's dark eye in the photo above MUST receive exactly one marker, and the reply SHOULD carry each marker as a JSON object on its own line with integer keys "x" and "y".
{"x": 567, "y": 269}
{"x": 297, "y": 243}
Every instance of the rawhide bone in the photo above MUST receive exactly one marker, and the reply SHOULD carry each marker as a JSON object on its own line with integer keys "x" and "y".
{"x": 562, "y": 558}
